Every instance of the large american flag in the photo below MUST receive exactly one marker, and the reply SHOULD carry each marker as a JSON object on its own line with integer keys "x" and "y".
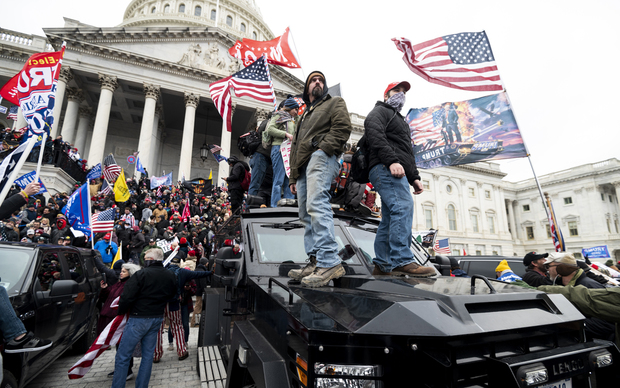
{"x": 253, "y": 81}
{"x": 428, "y": 128}
{"x": 111, "y": 170}
{"x": 461, "y": 61}
{"x": 442, "y": 246}
{"x": 102, "y": 222}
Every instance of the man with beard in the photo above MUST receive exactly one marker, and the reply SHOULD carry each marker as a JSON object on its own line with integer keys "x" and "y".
{"x": 536, "y": 272}
{"x": 61, "y": 230}
{"x": 322, "y": 132}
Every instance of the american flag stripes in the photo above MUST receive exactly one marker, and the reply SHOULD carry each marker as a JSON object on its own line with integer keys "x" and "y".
{"x": 12, "y": 115}
{"x": 253, "y": 81}
{"x": 106, "y": 187}
{"x": 460, "y": 61}
{"x": 556, "y": 233}
{"x": 129, "y": 219}
{"x": 102, "y": 222}
{"x": 442, "y": 246}
{"x": 215, "y": 148}
{"x": 428, "y": 128}
{"x": 111, "y": 170}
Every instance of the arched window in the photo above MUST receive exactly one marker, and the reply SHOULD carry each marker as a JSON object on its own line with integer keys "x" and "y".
{"x": 181, "y": 8}
{"x": 242, "y": 27}
{"x": 451, "y": 217}
{"x": 197, "y": 10}
{"x": 166, "y": 8}
{"x": 229, "y": 20}
{"x": 213, "y": 14}
{"x": 153, "y": 9}
{"x": 254, "y": 36}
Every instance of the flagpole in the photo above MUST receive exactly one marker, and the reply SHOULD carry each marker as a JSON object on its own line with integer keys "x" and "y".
{"x": 42, "y": 150}
{"x": 275, "y": 103}
{"x": 303, "y": 73}
{"x": 92, "y": 241}
{"x": 20, "y": 163}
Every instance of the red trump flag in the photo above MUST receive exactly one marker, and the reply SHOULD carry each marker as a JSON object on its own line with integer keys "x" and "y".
{"x": 278, "y": 51}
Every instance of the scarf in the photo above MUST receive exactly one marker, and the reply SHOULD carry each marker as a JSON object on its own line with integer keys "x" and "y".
{"x": 397, "y": 101}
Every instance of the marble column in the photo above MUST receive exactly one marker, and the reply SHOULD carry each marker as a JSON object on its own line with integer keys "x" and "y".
{"x": 155, "y": 142}
{"x": 63, "y": 80}
{"x": 513, "y": 223}
{"x": 85, "y": 114}
{"x": 71, "y": 115}
{"x": 151, "y": 93}
{"x": 225, "y": 144}
{"x": 187, "y": 142}
{"x": 100, "y": 129}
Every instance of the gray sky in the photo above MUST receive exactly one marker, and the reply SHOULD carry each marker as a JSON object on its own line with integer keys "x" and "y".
{"x": 557, "y": 59}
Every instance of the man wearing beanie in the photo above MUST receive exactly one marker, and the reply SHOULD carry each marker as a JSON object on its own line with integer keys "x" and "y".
{"x": 392, "y": 170}
{"x": 536, "y": 272}
{"x": 281, "y": 127}
{"x": 322, "y": 132}
{"x": 505, "y": 274}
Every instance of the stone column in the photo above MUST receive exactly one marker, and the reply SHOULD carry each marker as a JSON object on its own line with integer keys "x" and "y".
{"x": 71, "y": 115}
{"x": 63, "y": 80}
{"x": 185, "y": 161}
{"x": 85, "y": 114}
{"x": 100, "y": 129}
{"x": 155, "y": 142}
{"x": 151, "y": 93}
{"x": 513, "y": 223}
{"x": 225, "y": 144}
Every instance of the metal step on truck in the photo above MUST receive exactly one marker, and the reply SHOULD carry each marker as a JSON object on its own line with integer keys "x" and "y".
{"x": 261, "y": 329}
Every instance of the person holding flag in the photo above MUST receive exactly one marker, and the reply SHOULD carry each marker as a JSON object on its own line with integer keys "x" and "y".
{"x": 107, "y": 248}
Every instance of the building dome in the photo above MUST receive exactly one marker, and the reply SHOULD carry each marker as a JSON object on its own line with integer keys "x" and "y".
{"x": 240, "y": 18}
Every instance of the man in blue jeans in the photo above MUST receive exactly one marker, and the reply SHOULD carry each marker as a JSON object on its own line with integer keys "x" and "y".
{"x": 392, "y": 170}
{"x": 144, "y": 297}
{"x": 322, "y": 132}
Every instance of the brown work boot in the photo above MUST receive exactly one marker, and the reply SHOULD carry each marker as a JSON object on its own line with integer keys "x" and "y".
{"x": 322, "y": 276}
{"x": 377, "y": 271}
{"x": 414, "y": 270}
{"x": 301, "y": 273}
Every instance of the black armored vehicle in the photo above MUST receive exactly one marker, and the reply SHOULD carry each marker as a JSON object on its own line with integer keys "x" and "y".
{"x": 383, "y": 331}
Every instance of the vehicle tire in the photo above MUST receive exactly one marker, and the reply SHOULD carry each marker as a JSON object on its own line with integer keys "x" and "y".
{"x": 8, "y": 380}
{"x": 84, "y": 343}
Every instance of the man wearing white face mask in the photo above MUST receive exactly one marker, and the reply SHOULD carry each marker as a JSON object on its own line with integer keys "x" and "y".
{"x": 392, "y": 170}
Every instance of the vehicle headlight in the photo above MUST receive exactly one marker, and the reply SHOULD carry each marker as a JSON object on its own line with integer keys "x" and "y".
{"x": 534, "y": 374}
{"x": 601, "y": 358}
{"x": 341, "y": 372}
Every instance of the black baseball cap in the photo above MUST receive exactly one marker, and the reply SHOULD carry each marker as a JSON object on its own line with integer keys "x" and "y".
{"x": 527, "y": 260}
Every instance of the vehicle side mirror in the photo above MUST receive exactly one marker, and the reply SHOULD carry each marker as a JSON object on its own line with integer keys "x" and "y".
{"x": 64, "y": 287}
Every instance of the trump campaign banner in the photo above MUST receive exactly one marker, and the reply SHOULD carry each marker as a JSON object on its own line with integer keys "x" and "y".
{"x": 25, "y": 179}
{"x": 463, "y": 132}
{"x": 599, "y": 252}
{"x": 278, "y": 51}
{"x": 157, "y": 181}
{"x": 34, "y": 90}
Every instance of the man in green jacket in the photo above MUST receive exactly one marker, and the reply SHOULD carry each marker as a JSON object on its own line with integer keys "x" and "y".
{"x": 321, "y": 135}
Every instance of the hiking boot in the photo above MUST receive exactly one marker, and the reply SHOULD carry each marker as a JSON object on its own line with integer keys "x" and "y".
{"x": 322, "y": 276}
{"x": 29, "y": 343}
{"x": 301, "y": 273}
{"x": 377, "y": 271}
{"x": 183, "y": 356}
{"x": 414, "y": 270}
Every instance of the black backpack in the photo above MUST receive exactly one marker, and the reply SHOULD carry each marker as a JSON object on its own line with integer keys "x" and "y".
{"x": 249, "y": 142}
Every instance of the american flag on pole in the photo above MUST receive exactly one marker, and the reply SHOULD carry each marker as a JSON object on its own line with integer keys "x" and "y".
{"x": 102, "y": 222}
{"x": 460, "y": 61}
{"x": 556, "y": 233}
{"x": 253, "y": 81}
{"x": 442, "y": 246}
{"x": 106, "y": 187}
{"x": 129, "y": 219}
{"x": 214, "y": 148}
{"x": 12, "y": 115}
{"x": 186, "y": 214}
{"x": 111, "y": 170}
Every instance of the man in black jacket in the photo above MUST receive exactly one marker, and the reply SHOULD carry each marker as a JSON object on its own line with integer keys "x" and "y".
{"x": 144, "y": 297}
{"x": 392, "y": 170}
{"x": 237, "y": 174}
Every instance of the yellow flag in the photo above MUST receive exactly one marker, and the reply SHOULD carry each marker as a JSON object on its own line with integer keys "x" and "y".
{"x": 119, "y": 255}
{"x": 211, "y": 174}
{"x": 121, "y": 191}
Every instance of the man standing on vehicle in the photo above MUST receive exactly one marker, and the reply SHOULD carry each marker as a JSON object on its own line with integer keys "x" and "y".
{"x": 322, "y": 133}
{"x": 536, "y": 272}
{"x": 392, "y": 169}
{"x": 144, "y": 297}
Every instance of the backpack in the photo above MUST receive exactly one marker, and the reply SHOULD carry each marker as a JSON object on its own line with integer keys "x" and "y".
{"x": 249, "y": 142}
{"x": 340, "y": 182}
{"x": 245, "y": 183}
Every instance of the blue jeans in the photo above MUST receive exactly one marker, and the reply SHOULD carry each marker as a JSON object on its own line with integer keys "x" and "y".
{"x": 393, "y": 239}
{"x": 280, "y": 180}
{"x": 315, "y": 211}
{"x": 258, "y": 165}
{"x": 143, "y": 330}
{"x": 10, "y": 325}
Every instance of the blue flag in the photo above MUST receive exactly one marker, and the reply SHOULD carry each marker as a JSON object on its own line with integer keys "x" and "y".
{"x": 25, "y": 179}
{"x": 76, "y": 209}
{"x": 220, "y": 158}
{"x": 139, "y": 166}
{"x": 94, "y": 172}
{"x": 157, "y": 181}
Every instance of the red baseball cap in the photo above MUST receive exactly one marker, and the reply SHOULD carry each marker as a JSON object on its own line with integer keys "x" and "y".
{"x": 391, "y": 86}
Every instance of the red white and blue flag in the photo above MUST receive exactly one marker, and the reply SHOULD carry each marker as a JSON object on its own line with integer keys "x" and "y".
{"x": 12, "y": 115}
{"x": 253, "y": 81}
{"x": 111, "y": 170}
{"x": 460, "y": 61}
{"x": 442, "y": 246}
{"x": 103, "y": 221}
{"x": 76, "y": 210}
{"x": 556, "y": 233}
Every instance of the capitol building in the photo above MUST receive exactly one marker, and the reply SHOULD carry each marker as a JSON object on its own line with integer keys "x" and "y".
{"x": 143, "y": 86}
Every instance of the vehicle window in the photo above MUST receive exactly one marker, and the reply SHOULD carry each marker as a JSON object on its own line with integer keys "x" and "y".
{"x": 76, "y": 270}
{"x": 365, "y": 240}
{"x": 14, "y": 266}
{"x": 50, "y": 271}
{"x": 487, "y": 268}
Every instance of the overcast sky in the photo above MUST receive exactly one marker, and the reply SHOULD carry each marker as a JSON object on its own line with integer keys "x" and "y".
{"x": 557, "y": 59}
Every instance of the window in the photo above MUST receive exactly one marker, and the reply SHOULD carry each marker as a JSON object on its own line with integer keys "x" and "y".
{"x": 197, "y": 10}
{"x": 616, "y": 225}
{"x": 548, "y": 231}
{"x": 50, "y": 271}
{"x": 182, "y": 8}
{"x": 213, "y": 14}
{"x": 529, "y": 231}
{"x": 472, "y": 192}
{"x": 609, "y": 225}
{"x": 451, "y": 217}
{"x": 428, "y": 215}
{"x": 254, "y": 36}
{"x": 153, "y": 10}
{"x": 474, "y": 222}
{"x": 426, "y": 185}
{"x": 572, "y": 227}
{"x": 449, "y": 188}
{"x": 568, "y": 200}
{"x": 611, "y": 199}
{"x": 166, "y": 8}
{"x": 76, "y": 271}
{"x": 479, "y": 250}
{"x": 478, "y": 253}
{"x": 526, "y": 208}
{"x": 487, "y": 194}
{"x": 496, "y": 250}
{"x": 242, "y": 27}
{"x": 491, "y": 221}
{"x": 602, "y": 197}
{"x": 229, "y": 20}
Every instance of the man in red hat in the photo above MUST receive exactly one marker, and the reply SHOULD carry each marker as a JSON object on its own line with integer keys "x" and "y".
{"x": 107, "y": 249}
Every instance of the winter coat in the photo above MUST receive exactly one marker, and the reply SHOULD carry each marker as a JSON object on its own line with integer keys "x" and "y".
{"x": 278, "y": 131}
{"x": 237, "y": 173}
{"x": 147, "y": 292}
